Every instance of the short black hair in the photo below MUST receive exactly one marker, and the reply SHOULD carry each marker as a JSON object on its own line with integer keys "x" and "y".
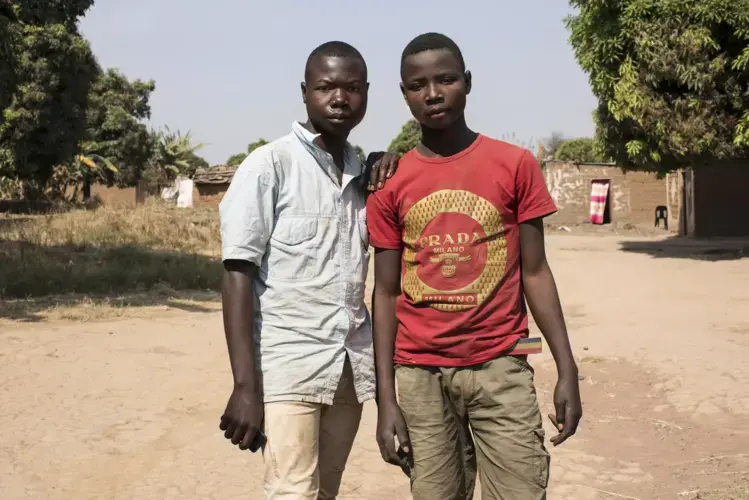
{"x": 432, "y": 41}
{"x": 334, "y": 49}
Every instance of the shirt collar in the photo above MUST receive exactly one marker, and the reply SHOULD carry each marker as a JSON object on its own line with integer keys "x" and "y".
{"x": 308, "y": 138}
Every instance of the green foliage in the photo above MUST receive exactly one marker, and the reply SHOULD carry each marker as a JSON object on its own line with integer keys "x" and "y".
{"x": 254, "y": 145}
{"x": 46, "y": 73}
{"x": 237, "y": 159}
{"x": 408, "y": 138}
{"x": 671, "y": 77}
{"x": 582, "y": 150}
{"x": 197, "y": 162}
{"x": 63, "y": 12}
{"x": 176, "y": 154}
{"x": 8, "y": 60}
{"x": 115, "y": 130}
{"x": 45, "y": 121}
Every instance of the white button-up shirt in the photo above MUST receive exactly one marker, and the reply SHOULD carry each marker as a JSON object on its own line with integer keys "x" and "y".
{"x": 287, "y": 213}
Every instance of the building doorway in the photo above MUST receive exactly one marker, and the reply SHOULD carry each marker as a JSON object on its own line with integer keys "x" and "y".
{"x": 600, "y": 201}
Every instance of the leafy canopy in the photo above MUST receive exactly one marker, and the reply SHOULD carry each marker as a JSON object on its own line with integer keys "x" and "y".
{"x": 670, "y": 77}
{"x": 582, "y": 150}
{"x": 408, "y": 138}
{"x": 115, "y": 125}
{"x": 46, "y": 72}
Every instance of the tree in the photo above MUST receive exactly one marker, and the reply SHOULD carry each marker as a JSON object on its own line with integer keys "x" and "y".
{"x": 197, "y": 161}
{"x": 115, "y": 128}
{"x": 552, "y": 143}
{"x": 87, "y": 168}
{"x": 254, "y": 145}
{"x": 408, "y": 138}
{"x": 360, "y": 153}
{"x": 237, "y": 159}
{"x": 63, "y": 12}
{"x": 176, "y": 154}
{"x": 8, "y": 56}
{"x": 44, "y": 122}
{"x": 670, "y": 77}
{"x": 582, "y": 150}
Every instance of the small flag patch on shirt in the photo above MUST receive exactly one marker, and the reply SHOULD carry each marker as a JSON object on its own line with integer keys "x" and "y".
{"x": 526, "y": 346}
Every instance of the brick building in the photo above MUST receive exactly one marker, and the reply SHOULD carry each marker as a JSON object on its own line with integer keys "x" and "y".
{"x": 212, "y": 183}
{"x": 716, "y": 200}
{"x": 632, "y": 196}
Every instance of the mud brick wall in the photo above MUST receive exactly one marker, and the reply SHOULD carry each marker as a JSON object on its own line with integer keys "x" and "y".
{"x": 210, "y": 194}
{"x": 633, "y": 195}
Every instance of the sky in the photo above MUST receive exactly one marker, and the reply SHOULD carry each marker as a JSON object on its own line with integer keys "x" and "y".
{"x": 229, "y": 71}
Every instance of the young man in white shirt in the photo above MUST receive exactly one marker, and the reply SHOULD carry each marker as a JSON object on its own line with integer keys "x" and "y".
{"x": 296, "y": 253}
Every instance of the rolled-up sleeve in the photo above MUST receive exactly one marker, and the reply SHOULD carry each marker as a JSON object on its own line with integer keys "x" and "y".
{"x": 248, "y": 207}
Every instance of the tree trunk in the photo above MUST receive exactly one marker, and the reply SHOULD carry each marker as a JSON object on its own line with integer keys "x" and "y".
{"x": 86, "y": 189}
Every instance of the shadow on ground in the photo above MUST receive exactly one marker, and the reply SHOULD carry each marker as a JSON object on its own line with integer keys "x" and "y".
{"x": 87, "y": 308}
{"x": 34, "y": 278}
{"x": 678, "y": 247}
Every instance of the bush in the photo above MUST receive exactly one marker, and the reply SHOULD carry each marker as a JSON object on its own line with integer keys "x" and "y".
{"x": 583, "y": 150}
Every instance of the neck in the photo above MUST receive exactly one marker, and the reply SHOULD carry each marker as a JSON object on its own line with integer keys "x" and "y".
{"x": 447, "y": 141}
{"x": 333, "y": 144}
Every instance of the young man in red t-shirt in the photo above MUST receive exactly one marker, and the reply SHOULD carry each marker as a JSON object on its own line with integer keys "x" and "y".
{"x": 459, "y": 242}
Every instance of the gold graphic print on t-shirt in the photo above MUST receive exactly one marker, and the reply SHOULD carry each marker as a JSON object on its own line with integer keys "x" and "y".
{"x": 455, "y": 250}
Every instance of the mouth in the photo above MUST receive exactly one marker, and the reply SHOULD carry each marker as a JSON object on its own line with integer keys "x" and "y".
{"x": 339, "y": 118}
{"x": 437, "y": 112}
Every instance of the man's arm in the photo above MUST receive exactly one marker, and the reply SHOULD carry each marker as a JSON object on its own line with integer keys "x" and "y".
{"x": 243, "y": 417}
{"x": 390, "y": 422}
{"x": 386, "y": 292}
{"x": 247, "y": 218}
{"x": 541, "y": 292}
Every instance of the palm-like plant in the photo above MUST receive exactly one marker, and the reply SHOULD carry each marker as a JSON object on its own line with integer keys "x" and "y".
{"x": 89, "y": 165}
{"x": 175, "y": 153}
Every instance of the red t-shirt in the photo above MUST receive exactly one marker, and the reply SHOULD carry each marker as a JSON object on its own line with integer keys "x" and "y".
{"x": 456, "y": 221}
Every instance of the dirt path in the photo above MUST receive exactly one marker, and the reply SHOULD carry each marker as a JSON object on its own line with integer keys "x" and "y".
{"x": 129, "y": 409}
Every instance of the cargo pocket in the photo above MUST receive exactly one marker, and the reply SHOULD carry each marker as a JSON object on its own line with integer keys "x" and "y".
{"x": 292, "y": 253}
{"x": 544, "y": 459}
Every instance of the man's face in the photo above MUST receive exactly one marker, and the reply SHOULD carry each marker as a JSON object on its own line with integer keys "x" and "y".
{"x": 335, "y": 94}
{"x": 435, "y": 87}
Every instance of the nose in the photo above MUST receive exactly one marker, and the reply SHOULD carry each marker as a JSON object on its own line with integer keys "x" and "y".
{"x": 434, "y": 94}
{"x": 339, "y": 98}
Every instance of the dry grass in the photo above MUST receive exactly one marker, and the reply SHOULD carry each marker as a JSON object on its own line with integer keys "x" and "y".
{"x": 735, "y": 493}
{"x": 108, "y": 256}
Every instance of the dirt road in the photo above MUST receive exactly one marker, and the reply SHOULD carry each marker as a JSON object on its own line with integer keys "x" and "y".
{"x": 129, "y": 409}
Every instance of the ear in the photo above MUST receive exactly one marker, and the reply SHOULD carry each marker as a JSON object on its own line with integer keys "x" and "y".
{"x": 304, "y": 93}
{"x": 469, "y": 82}
{"x": 403, "y": 91}
{"x": 367, "y": 86}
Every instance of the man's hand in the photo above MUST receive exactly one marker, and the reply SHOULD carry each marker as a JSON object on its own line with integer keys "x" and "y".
{"x": 381, "y": 166}
{"x": 569, "y": 408}
{"x": 391, "y": 424}
{"x": 243, "y": 418}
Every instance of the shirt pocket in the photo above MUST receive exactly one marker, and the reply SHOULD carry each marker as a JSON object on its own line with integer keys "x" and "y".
{"x": 293, "y": 253}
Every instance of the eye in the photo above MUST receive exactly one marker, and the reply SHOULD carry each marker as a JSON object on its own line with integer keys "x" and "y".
{"x": 323, "y": 88}
{"x": 354, "y": 88}
{"x": 448, "y": 79}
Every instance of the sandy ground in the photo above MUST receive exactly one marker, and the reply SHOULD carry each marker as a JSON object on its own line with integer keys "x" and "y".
{"x": 129, "y": 409}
